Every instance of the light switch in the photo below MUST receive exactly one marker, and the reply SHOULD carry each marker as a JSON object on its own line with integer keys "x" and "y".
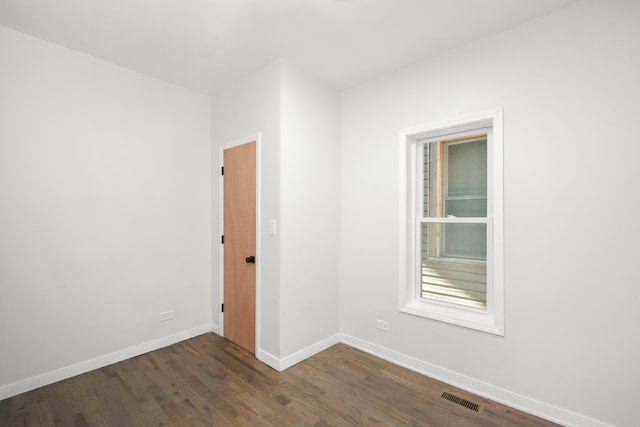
{"x": 272, "y": 227}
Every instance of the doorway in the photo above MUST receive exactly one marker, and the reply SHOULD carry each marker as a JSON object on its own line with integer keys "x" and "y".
{"x": 239, "y": 244}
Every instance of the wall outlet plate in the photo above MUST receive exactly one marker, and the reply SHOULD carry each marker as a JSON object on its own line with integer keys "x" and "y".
{"x": 382, "y": 325}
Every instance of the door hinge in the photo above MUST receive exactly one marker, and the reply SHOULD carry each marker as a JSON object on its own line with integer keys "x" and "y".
{"x": 222, "y": 308}
{"x": 222, "y": 170}
{"x": 222, "y": 239}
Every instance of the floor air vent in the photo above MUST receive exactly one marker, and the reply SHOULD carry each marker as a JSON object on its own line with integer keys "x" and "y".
{"x": 462, "y": 402}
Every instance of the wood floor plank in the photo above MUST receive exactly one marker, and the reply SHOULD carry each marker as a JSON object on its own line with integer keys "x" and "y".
{"x": 6, "y": 412}
{"x": 209, "y": 381}
{"x": 78, "y": 421}
{"x": 63, "y": 411}
{"x": 350, "y": 396}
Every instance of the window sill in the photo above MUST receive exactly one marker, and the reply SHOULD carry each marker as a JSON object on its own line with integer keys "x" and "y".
{"x": 480, "y": 320}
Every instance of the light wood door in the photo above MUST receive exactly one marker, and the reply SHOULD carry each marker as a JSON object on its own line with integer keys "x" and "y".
{"x": 240, "y": 245}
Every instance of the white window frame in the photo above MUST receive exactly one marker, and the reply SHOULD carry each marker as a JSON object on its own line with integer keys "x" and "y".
{"x": 491, "y": 319}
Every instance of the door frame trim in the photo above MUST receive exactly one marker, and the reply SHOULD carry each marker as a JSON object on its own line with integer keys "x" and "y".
{"x": 255, "y": 137}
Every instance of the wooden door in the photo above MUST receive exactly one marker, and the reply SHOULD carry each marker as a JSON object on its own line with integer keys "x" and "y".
{"x": 240, "y": 245}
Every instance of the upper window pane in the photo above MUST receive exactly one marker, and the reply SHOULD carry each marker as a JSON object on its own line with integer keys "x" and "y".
{"x": 455, "y": 177}
{"x": 469, "y": 207}
{"x": 466, "y": 165}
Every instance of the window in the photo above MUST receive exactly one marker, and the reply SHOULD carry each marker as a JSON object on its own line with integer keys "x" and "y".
{"x": 451, "y": 222}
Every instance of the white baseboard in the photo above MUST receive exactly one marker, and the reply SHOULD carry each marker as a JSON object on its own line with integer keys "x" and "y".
{"x": 41, "y": 380}
{"x": 506, "y": 397}
{"x": 269, "y": 359}
{"x": 215, "y": 328}
{"x": 299, "y": 356}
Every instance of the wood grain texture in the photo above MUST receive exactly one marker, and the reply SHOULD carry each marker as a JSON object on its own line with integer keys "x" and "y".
{"x": 240, "y": 243}
{"x": 210, "y": 381}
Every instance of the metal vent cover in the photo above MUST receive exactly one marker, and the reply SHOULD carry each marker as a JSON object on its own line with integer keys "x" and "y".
{"x": 476, "y": 407}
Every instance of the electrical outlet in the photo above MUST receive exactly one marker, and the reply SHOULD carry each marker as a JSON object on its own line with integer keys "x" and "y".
{"x": 382, "y": 325}
{"x": 167, "y": 315}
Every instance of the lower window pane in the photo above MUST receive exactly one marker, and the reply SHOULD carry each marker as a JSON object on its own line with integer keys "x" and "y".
{"x": 465, "y": 241}
{"x": 452, "y": 267}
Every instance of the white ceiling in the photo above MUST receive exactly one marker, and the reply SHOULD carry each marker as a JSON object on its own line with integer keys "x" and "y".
{"x": 205, "y": 44}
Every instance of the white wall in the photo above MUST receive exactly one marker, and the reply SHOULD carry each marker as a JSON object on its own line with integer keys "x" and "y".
{"x": 108, "y": 199}
{"x": 309, "y": 218}
{"x": 253, "y": 105}
{"x": 104, "y": 211}
{"x": 568, "y": 83}
{"x": 298, "y": 275}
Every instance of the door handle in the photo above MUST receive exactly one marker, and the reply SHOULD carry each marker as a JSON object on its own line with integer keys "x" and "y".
{"x": 250, "y": 259}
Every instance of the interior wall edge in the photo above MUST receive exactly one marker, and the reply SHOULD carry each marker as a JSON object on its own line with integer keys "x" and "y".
{"x": 280, "y": 364}
{"x": 215, "y": 328}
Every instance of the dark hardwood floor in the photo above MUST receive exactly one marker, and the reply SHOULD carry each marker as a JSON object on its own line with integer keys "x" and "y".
{"x": 209, "y": 381}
